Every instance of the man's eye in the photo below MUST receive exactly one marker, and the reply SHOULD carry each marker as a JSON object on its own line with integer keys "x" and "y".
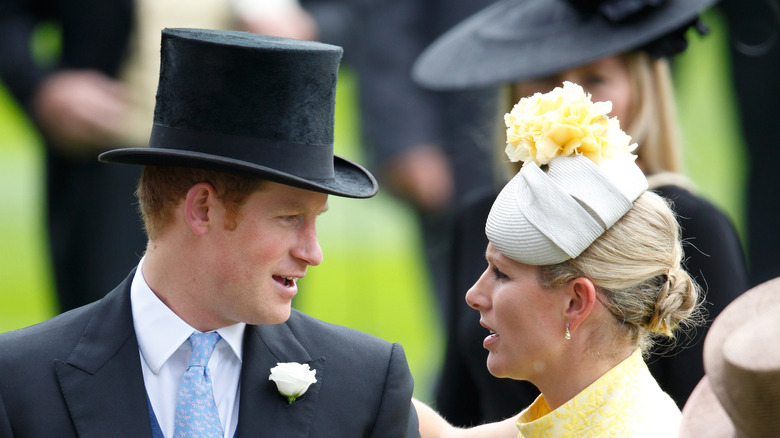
{"x": 498, "y": 274}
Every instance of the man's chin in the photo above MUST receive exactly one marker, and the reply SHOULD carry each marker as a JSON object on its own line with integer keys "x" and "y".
{"x": 279, "y": 317}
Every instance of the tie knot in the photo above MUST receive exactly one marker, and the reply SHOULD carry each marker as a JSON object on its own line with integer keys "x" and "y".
{"x": 202, "y": 346}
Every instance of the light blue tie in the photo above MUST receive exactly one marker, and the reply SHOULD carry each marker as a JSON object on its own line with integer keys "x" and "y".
{"x": 196, "y": 411}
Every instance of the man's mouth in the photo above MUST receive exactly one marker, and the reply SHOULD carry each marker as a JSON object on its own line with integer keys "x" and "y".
{"x": 285, "y": 281}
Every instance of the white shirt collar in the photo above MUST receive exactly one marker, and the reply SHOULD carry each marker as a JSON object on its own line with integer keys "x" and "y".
{"x": 160, "y": 332}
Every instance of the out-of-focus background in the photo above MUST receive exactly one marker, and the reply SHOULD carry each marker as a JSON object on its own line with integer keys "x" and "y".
{"x": 373, "y": 277}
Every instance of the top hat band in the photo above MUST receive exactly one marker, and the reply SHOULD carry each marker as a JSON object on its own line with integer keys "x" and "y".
{"x": 312, "y": 161}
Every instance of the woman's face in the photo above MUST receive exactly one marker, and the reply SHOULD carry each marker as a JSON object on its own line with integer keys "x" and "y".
{"x": 525, "y": 320}
{"x": 607, "y": 79}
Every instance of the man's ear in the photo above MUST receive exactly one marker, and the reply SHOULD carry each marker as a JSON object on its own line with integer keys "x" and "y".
{"x": 582, "y": 297}
{"x": 199, "y": 207}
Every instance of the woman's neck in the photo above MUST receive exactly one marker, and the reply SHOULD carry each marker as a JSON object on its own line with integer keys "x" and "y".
{"x": 580, "y": 367}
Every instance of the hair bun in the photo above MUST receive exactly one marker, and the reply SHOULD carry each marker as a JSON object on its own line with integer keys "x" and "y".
{"x": 676, "y": 300}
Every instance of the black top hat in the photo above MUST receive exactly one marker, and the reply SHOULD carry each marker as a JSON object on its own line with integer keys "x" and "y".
{"x": 517, "y": 40}
{"x": 249, "y": 103}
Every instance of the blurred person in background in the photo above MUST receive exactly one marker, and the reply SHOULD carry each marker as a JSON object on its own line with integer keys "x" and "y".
{"x": 617, "y": 51}
{"x": 97, "y": 93}
{"x": 754, "y": 27}
{"x": 430, "y": 149}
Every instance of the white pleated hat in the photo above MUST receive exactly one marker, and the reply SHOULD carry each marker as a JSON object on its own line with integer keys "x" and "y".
{"x": 578, "y": 178}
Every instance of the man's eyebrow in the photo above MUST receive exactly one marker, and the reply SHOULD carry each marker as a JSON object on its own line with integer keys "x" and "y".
{"x": 301, "y": 207}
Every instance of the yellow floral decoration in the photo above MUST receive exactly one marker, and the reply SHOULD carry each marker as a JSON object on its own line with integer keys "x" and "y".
{"x": 563, "y": 122}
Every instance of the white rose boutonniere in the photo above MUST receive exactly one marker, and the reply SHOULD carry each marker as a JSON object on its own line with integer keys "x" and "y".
{"x": 563, "y": 122}
{"x": 292, "y": 379}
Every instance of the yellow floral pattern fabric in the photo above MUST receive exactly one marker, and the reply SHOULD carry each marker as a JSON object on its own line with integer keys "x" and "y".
{"x": 624, "y": 402}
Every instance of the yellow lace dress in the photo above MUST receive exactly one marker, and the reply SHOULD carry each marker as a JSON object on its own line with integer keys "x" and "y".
{"x": 624, "y": 402}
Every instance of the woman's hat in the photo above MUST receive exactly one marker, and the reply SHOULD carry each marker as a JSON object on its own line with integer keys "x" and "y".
{"x": 543, "y": 218}
{"x": 740, "y": 392}
{"x": 578, "y": 178}
{"x": 249, "y": 103}
{"x": 517, "y": 40}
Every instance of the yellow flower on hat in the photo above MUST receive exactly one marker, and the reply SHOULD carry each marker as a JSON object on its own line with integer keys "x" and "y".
{"x": 563, "y": 122}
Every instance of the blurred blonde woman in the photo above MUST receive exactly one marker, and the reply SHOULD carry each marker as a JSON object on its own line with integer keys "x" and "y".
{"x": 642, "y": 94}
{"x": 531, "y": 46}
{"x": 584, "y": 272}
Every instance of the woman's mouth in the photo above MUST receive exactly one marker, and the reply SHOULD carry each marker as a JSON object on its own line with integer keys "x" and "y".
{"x": 492, "y": 338}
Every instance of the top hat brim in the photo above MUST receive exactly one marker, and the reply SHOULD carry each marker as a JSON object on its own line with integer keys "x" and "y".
{"x": 350, "y": 179}
{"x": 517, "y": 40}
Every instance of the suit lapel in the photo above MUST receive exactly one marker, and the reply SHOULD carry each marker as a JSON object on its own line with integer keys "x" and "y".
{"x": 263, "y": 411}
{"x": 101, "y": 380}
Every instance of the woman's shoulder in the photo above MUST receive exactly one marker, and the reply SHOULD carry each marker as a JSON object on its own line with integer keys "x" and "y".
{"x": 639, "y": 403}
{"x": 637, "y": 406}
{"x": 661, "y": 416}
{"x": 626, "y": 401}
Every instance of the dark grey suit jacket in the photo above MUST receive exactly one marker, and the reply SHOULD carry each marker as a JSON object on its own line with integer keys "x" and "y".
{"x": 79, "y": 374}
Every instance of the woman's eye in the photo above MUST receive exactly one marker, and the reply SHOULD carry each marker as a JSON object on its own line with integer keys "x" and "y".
{"x": 498, "y": 274}
{"x": 593, "y": 80}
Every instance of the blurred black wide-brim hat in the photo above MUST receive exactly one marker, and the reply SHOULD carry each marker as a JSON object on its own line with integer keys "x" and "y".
{"x": 517, "y": 40}
{"x": 252, "y": 104}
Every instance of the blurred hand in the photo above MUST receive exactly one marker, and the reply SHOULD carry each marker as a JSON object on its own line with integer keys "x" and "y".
{"x": 81, "y": 111}
{"x": 292, "y": 22}
{"x": 423, "y": 176}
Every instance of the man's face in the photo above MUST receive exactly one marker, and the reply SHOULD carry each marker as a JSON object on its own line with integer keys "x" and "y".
{"x": 254, "y": 268}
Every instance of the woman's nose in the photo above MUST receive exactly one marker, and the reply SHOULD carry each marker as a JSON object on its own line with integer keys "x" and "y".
{"x": 475, "y": 297}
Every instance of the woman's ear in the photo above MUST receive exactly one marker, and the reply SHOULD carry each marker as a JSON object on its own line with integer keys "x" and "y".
{"x": 582, "y": 297}
{"x": 199, "y": 207}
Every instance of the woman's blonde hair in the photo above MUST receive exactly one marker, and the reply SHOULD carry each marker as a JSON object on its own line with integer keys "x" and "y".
{"x": 654, "y": 125}
{"x": 636, "y": 266}
{"x": 162, "y": 188}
